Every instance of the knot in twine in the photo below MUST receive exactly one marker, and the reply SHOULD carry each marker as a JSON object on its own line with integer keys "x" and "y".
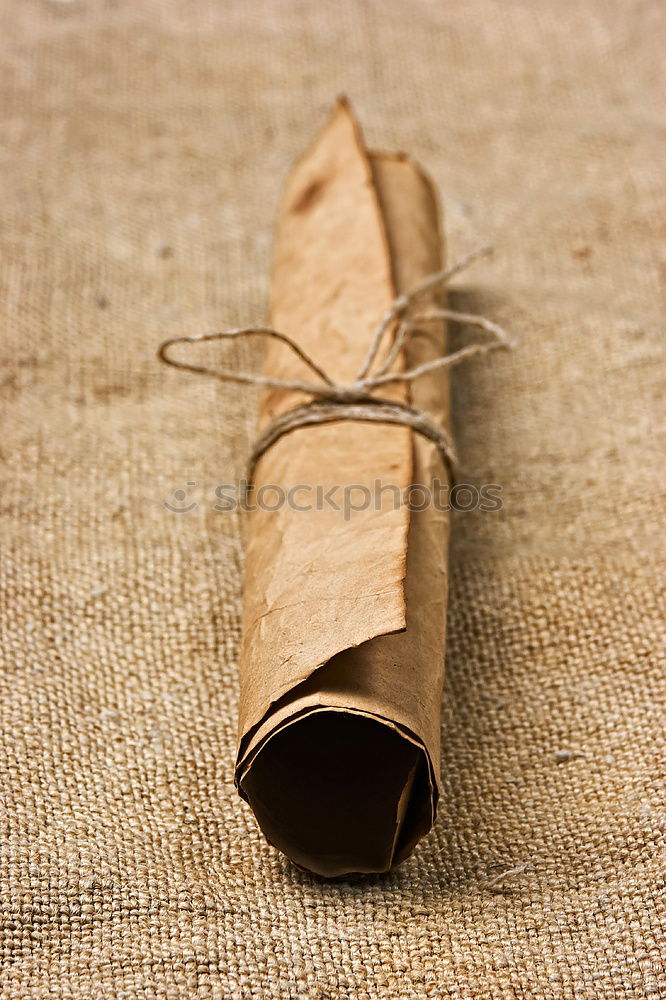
{"x": 355, "y": 401}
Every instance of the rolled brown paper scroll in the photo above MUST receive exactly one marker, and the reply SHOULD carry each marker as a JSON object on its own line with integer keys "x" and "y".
{"x": 344, "y": 619}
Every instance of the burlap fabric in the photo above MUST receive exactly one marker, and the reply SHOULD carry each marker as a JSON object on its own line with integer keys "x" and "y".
{"x": 144, "y": 150}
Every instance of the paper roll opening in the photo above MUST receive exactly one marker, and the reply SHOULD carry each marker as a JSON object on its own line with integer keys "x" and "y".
{"x": 340, "y": 792}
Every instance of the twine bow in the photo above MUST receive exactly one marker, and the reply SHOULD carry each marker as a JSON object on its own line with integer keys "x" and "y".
{"x": 355, "y": 401}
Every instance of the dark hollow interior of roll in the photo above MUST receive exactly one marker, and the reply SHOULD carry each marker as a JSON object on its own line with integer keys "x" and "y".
{"x": 339, "y": 793}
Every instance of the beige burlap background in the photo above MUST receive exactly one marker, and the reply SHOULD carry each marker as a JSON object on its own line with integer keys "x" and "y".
{"x": 144, "y": 147}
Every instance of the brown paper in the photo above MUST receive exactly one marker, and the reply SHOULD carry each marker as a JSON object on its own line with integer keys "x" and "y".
{"x": 344, "y": 618}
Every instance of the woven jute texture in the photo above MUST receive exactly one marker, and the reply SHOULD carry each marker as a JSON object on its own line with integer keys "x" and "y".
{"x": 144, "y": 149}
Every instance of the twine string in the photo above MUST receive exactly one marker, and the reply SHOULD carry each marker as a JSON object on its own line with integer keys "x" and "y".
{"x": 355, "y": 401}
{"x": 402, "y": 302}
